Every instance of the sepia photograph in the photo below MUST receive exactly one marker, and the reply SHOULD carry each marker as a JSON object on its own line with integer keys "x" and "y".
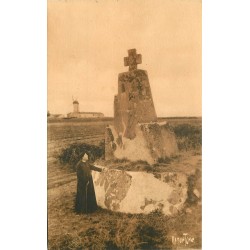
{"x": 128, "y": 124}
{"x": 124, "y": 124}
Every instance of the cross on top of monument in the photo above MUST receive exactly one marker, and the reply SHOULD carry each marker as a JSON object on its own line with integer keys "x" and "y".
{"x": 133, "y": 59}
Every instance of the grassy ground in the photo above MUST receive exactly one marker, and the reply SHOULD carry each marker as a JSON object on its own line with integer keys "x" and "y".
{"x": 108, "y": 230}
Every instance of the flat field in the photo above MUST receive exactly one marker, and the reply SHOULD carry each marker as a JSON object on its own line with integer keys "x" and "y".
{"x": 110, "y": 230}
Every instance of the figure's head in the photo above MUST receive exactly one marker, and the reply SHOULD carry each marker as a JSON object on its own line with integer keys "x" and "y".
{"x": 85, "y": 157}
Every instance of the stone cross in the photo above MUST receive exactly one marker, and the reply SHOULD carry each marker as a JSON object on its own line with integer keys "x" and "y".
{"x": 132, "y": 60}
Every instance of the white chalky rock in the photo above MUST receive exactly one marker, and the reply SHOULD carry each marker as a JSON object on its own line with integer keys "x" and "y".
{"x": 140, "y": 192}
{"x": 196, "y": 192}
{"x": 153, "y": 141}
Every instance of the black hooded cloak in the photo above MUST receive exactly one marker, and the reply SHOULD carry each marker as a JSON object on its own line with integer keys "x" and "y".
{"x": 85, "y": 197}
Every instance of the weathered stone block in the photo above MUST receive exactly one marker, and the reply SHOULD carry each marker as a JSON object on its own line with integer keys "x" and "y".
{"x": 152, "y": 142}
{"x": 160, "y": 140}
{"x": 110, "y": 146}
{"x": 138, "y": 192}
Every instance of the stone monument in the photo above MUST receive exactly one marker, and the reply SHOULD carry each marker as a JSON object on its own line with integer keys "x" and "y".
{"x": 134, "y": 102}
{"x": 136, "y": 135}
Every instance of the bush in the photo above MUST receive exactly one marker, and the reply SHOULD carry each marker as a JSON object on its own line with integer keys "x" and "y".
{"x": 188, "y": 136}
{"x": 74, "y": 152}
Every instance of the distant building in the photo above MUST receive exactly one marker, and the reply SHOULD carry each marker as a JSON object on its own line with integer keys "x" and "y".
{"x": 53, "y": 116}
{"x": 77, "y": 114}
{"x": 85, "y": 115}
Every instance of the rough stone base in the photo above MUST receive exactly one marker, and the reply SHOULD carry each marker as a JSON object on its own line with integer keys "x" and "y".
{"x": 140, "y": 192}
{"x": 153, "y": 141}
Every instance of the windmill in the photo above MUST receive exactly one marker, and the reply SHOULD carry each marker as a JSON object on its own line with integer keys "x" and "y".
{"x": 75, "y": 105}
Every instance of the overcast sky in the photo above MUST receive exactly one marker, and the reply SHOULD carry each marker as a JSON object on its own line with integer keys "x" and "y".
{"x": 87, "y": 41}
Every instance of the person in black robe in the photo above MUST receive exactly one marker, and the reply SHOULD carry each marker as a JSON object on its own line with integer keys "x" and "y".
{"x": 85, "y": 197}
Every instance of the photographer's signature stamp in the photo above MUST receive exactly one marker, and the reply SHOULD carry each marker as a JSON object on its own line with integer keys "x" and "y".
{"x": 185, "y": 239}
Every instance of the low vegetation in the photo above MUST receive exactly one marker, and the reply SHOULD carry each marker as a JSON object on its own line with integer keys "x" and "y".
{"x": 113, "y": 230}
{"x": 188, "y": 137}
{"x": 72, "y": 154}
